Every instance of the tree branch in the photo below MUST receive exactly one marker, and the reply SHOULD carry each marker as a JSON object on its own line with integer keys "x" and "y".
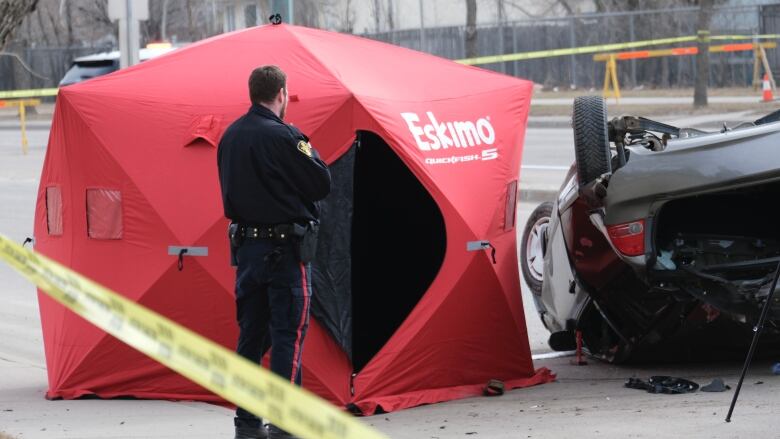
{"x": 12, "y": 12}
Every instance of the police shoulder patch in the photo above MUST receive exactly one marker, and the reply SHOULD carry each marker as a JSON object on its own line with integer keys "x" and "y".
{"x": 304, "y": 147}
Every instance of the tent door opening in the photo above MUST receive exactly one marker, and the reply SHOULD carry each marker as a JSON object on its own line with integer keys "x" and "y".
{"x": 398, "y": 244}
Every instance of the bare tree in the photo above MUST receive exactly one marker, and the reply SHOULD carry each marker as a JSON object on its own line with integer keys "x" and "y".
{"x": 376, "y": 13}
{"x": 12, "y": 12}
{"x": 94, "y": 19}
{"x": 66, "y": 19}
{"x": 390, "y": 15}
{"x": 471, "y": 28}
{"x": 154, "y": 28}
{"x": 566, "y": 6}
{"x": 42, "y": 27}
{"x": 190, "y": 20}
{"x": 552, "y": 5}
{"x": 349, "y": 17}
{"x": 624, "y": 5}
{"x": 382, "y": 13}
{"x": 53, "y": 23}
{"x": 701, "y": 80}
{"x": 343, "y": 14}
{"x": 308, "y": 13}
{"x": 187, "y": 20}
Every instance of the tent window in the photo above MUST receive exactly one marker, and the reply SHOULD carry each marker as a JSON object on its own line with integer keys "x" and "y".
{"x": 104, "y": 214}
{"x": 511, "y": 205}
{"x": 54, "y": 210}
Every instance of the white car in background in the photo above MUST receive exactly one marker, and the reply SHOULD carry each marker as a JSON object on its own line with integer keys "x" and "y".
{"x": 90, "y": 66}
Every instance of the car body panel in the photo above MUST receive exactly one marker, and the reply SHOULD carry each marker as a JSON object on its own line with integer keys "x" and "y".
{"x": 621, "y": 303}
{"x": 693, "y": 165}
{"x": 558, "y": 277}
{"x": 592, "y": 255}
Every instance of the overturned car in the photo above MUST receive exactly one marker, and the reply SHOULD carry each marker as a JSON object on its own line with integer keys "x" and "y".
{"x": 657, "y": 231}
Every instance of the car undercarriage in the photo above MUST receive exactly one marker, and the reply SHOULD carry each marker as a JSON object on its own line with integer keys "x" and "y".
{"x": 671, "y": 232}
{"x": 721, "y": 248}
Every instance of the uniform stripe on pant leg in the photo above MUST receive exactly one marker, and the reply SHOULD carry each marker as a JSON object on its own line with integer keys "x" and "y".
{"x": 304, "y": 312}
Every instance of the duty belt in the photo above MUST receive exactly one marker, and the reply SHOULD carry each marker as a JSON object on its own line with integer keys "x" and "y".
{"x": 279, "y": 231}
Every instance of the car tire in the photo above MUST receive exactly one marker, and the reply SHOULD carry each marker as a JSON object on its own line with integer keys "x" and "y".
{"x": 533, "y": 246}
{"x": 591, "y": 140}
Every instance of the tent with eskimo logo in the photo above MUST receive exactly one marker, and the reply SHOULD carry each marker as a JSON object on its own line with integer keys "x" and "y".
{"x": 409, "y": 306}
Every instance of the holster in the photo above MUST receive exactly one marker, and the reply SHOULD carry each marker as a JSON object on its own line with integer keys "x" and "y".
{"x": 236, "y": 237}
{"x": 306, "y": 241}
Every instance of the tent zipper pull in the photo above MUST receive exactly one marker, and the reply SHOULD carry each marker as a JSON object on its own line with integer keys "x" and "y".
{"x": 482, "y": 245}
{"x": 178, "y": 251}
{"x": 492, "y": 252}
{"x": 181, "y": 258}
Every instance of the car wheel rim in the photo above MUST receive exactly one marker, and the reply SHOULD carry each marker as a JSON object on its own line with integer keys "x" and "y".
{"x": 534, "y": 254}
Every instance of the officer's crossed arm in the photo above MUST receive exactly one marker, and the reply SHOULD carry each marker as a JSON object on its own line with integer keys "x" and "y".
{"x": 304, "y": 169}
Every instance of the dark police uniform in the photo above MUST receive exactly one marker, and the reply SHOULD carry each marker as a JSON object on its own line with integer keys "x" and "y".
{"x": 270, "y": 178}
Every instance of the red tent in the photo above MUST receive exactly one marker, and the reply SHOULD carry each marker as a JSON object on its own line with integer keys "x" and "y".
{"x": 410, "y": 307}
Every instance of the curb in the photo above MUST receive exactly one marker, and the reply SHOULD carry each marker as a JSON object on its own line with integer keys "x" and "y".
{"x": 549, "y": 124}
{"x": 538, "y": 194}
{"x": 31, "y": 125}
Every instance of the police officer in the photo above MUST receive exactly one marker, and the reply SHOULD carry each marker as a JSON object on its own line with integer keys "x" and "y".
{"x": 271, "y": 180}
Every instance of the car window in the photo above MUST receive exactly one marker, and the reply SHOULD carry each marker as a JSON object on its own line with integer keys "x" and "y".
{"x": 83, "y": 70}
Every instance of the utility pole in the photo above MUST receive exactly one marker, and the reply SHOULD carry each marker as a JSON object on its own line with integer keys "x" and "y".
{"x": 129, "y": 13}
{"x": 390, "y": 15}
{"x": 422, "y": 28}
{"x": 703, "y": 55}
{"x": 164, "y": 23}
{"x": 471, "y": 29}
{"x": 500, "y": 17}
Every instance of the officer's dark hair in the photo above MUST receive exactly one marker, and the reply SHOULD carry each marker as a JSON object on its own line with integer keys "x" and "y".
{"x": 265, "y": 83}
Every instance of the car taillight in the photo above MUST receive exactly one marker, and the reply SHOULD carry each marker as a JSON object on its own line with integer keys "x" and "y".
{"x": 628, "y": 238}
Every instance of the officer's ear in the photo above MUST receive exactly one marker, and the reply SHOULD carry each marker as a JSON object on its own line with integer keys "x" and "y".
{"x": 282, "y": 96}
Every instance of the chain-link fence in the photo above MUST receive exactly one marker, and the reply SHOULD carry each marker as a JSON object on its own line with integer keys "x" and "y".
{"x": 49, "y": 62}
{"x": 770, "y": 24}
{"x": 727, "y": 69}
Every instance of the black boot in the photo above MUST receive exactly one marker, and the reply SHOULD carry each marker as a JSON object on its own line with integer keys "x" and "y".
{"x": 244, "y": 431}
{"x": 275, "y": 432}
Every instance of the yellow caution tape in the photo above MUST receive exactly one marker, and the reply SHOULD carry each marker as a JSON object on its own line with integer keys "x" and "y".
{"x": 12, "y": 94}
{"x": 32, "y": 93}
{"x": 571, "y": 51}
{"x": 746, "y": 37}
{"x": 678, "y": 51}
{"x": 228, "y": 375}
{"x": 602, "y": 48}
{"x": 20, "y": 102}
